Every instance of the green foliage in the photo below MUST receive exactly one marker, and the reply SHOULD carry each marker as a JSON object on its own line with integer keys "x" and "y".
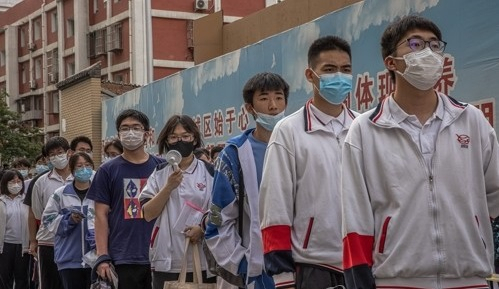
{"x": 17, "y": 139}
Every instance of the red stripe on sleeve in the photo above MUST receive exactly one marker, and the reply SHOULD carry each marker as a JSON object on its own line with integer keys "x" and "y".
{"x": 276, "y": 238}
{"x": 357, "y": 250}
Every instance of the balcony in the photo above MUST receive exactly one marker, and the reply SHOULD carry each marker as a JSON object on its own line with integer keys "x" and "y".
{"x": 32, "y": 114}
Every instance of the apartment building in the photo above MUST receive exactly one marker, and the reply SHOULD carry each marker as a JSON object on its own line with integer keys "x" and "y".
{"x": 43, "y": 42}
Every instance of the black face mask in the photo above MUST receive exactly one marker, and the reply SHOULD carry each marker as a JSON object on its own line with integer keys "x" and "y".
{"x": 184, "y": 148}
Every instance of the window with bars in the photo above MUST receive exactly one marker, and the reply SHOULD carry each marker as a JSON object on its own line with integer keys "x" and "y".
{"x": 114, "y": 37}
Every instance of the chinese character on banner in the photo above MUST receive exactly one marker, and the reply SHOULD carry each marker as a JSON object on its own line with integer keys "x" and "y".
{"x": 218, "y": 119}
{"x": 487, "y": 107}
{"x": 447, "y": 82}
{"x": 242, "y": 119}
{"x": 385, "y": 85}
{"x": 207, "y": 133}
{"x": 363, "y": 91}
{"x": 230, "y": 118}
{"x": 197, "y": 121}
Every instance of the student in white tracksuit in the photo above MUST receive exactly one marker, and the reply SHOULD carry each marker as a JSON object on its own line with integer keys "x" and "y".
{"x": 420, "y": 177}
{"x": 176, "y": 196}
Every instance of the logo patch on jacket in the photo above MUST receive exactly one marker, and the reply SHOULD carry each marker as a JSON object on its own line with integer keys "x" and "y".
{"x": 201, "y": 186}
{"x": 464, "y": 140}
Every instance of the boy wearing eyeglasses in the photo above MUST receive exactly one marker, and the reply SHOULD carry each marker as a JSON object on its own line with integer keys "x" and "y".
{"x": 420, "y": 177}
{"x": 121, "y": 232}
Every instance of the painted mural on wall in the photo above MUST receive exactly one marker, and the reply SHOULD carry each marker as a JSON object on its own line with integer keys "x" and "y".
{"x": 212, "y": 92}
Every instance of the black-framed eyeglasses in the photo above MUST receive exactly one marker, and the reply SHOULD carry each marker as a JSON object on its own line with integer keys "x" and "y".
{"x": 418, "y": 44}
{"x": 175, "y": 138}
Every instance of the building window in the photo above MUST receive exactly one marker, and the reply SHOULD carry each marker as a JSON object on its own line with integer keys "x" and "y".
{"x": 53, "y": 66}
{"x": 70, "y": 28}
{"x": 114, "y": 37}
{"x": 2, "y": 58}
{"x": 70, "y": 68}
{"x": 38, "y": 68}
{"x": 38, "y": 103}
{"x": 96, "y": 6}
{"x": 37, "y": 27}
{"x": 23, "y": 37}
{"x": 53, "y": 22}
{"x": 23, "y": 73}
{"x": 54, "y": 103}
{"x": 97, "y": 43}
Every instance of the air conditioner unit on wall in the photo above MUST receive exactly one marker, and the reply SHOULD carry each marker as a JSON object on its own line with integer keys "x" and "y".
{"x": 31, "y": 46}
{"x": 200, "y": 4}
{"x": 53, "y": 77}
{"x": 32, "y": 84}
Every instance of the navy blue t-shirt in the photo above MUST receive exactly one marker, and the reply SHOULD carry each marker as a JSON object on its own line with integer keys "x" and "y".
{"x": 118, "y": 184}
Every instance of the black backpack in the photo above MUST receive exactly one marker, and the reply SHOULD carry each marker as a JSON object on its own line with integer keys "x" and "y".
{"x": 214, "y": 268}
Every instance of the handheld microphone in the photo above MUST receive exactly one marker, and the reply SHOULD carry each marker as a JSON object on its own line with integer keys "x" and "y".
{"x": 173, "y": 157}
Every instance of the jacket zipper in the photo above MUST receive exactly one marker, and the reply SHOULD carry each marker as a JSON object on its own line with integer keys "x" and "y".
{"x": 382, "y": 239}
{"x": 309, "y": 230}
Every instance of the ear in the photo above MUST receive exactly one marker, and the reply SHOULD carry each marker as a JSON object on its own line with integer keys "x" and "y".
{"x": 390, "y": 63}
{"x": 309, "y": 75}
{"x": 69, "y": 153}
{"x": 250, "y": 109}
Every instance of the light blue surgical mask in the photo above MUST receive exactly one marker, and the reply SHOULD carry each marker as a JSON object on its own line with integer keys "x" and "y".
{"x": 50, "y": 165}
{"x": 24, "y": 173}
{"x": 268, "y": 121}
{"x": 83, "y": 174}
{"x": 40, "y": 169}
{"x": 335, "y": 87}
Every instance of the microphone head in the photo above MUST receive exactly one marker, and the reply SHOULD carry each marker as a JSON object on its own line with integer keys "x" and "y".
{"x": 173, "y": 157}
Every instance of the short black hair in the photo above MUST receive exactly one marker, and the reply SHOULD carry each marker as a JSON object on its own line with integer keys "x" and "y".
{"x": 56, "y": 142}
{"x": 79, "y": 139}
{"x": 326, "y": 43}
{"x": 115, "y": 143}
{"x": 399, "y": 28}
{"x": 8, "y": 176}
{"x": 135, "y": 114}
{"x": 74, "y": 159}
{"x": 24, "y": 162}
{"x": 39, "y": 157}
{"x": 201, "y": 151}
{"x": 264, "y": 81}
{"x": 214, "y": 150}
{"x": 187, "y": 123}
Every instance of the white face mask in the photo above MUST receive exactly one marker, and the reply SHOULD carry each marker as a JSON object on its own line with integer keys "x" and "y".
{"x": 423, "y": 68}
{"x": 132, "y": 140}
{"x": 14, "y": 188}
{"x": 59, "y": 161}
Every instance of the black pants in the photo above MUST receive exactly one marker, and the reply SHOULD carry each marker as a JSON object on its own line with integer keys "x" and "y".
{"x": 133, "y": 276}
{"x": 14, "y": 267}
{"x": 49, "y": 275}
{"x": 159, "y": 278}
{"x": 317, "y": 277}
{"x": 76, "y": 278}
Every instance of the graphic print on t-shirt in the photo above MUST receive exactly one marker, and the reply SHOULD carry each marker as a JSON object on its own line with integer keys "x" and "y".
{"x": 132, "y": 189}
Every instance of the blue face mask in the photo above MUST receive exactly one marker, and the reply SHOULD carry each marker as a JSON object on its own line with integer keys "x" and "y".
{"x": 334, "y": 87}
{"x": 50, "y": 166}
{"x": 83, "y": 174}
{"x": 40, "y": 169}
{"x": 268, "y": 121}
